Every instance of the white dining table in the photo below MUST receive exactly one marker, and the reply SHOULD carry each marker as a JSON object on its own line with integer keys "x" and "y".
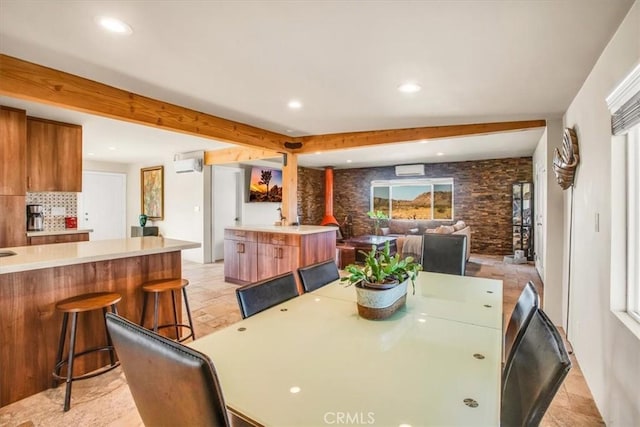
{"x": 312, "y": 361}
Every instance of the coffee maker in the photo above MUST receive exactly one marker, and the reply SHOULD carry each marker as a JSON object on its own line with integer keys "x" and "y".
{"x": 35, "y": 218}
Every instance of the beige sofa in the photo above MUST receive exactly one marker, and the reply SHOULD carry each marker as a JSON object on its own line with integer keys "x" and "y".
{"x": 410, "y": 244}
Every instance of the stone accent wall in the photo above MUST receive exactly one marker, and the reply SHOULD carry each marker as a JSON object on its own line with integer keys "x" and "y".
{"x": 310, "y": 195}
{"x": 482, "y": 197}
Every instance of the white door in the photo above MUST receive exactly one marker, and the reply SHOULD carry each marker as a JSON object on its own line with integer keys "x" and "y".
{"x": 102, "y": 205}
{"x": 539, "y": 185}
{"x": 226, "y": 204}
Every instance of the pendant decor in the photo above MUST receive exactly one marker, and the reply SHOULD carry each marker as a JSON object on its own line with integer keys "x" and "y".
{"x": 566, "y": 162}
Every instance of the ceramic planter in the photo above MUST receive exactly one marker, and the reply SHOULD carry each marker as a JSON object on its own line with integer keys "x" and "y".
{"x": 377, "y": 303}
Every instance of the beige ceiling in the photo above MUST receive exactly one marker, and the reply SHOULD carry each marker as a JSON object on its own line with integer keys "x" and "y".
{"x": 477, "y": 61}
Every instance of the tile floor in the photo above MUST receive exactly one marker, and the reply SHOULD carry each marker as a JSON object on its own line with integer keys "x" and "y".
{"x": 106, "y": 401}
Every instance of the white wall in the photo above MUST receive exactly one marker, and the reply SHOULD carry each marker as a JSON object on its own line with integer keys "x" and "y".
{"x": 608, "y": 353}
{"x": 184, "y": 206}
{"x": 97, "y": 166}
{"x": 553, "y": 225}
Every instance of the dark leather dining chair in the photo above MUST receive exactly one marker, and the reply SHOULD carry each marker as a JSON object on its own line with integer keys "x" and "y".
{"x": 444, "y": 253}
{"x": 171, "y": 384}
{"x": 317, "y": 275}
{"x": 527, "y": 303}
{"x": 540, "y": 365}
{"x": 256, "y": 297}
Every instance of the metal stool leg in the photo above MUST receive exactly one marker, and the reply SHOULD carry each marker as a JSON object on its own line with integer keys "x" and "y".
{"x": 155, "y": 312}
{"x": 63, "y": 336}
{"x": 72, "y": 349}
{"x": 175, "y": 315}
{"x": 186, "y": 304}
{"x": 112, "y": 356}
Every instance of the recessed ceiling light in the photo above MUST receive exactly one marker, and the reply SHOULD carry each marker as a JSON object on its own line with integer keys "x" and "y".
{"x": 440, "y": 154}
{"x": 349, "y": 161}
{"x": 318, "y": 152}
{"x": 91, "y": 154}
{"x": 424, "y": 141}
{"x": 289, "y": 130}
{"x": 294, "y": 104}
{"x": 409, "y": 87}
{"x": 114, "y": 25}
{"x": 112, "y": 148}
{"x": 295, "y": 389}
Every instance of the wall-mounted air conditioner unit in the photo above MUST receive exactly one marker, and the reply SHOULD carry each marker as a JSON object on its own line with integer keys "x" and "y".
{"x": 410, "y": 170}
{"x": 187, "y": 165}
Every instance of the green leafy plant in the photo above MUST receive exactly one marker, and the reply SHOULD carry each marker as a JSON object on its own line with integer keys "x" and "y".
{"x": 377, "y": 217}
{"x": 381, "y": 268}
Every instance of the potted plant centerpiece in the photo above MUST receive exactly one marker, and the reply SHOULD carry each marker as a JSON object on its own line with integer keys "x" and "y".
{"x": 381, "y": 282}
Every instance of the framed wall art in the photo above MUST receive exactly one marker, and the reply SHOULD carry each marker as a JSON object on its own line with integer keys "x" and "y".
{"x": 152, "y": 192}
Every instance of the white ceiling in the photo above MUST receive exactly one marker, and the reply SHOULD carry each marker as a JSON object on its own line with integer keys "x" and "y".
{"x": 477, "y": 61}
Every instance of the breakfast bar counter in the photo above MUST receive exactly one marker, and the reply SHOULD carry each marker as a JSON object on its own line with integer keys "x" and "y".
{"x": 36, "y": 277}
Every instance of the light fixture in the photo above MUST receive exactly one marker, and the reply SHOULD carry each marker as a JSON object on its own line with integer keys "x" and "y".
{"x": 294, "y": 389}
{"x": 424, "y": 141}
{"x": 91, "y": 154}
{"x": 409, "y": 87}
{"x": 112, "y": 148}
{"x": 294, "y": 104}
{"x": 440, "y": 154}
{"x": 349, "y": 161}
{"x": 114, "y": 25}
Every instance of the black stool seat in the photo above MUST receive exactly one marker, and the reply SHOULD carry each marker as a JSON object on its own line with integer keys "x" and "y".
{"x": 74, "y": 305}
{"x": 156, "y": 287}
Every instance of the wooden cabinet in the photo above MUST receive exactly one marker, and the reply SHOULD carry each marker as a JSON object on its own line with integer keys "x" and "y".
{"x": 54, "y": 156}
{"x": 13, "y": 152}
{"x": 240, "y": 256}
{"x": 58, "y": 238}
{"x": 251, "y": 255}
{"x": 277, "y": 254}
{"x": 13, "y": 222}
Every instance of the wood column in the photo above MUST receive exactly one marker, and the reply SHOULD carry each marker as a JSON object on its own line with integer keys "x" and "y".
{"x": 290, "y": 187}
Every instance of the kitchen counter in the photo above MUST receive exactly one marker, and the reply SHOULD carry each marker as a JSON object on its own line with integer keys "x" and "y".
{"x": 59, "y": 232}
{"x": 34, "y": 279}
{"x": 287, "y": 229}
{"x": 47, "y": 256}
{"x": 258, "y": 252}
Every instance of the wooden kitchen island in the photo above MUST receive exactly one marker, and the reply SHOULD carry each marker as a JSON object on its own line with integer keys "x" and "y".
{"x": 253, "y": 253}
{"x": 33, "y": 280}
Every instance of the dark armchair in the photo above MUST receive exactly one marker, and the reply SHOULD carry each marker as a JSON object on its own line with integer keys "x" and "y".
{"x": 317, "y": 275}
{"x": 539, "y": 366}
{"x": 171, "y": 384}
{"x": 259, "y": 296}
{"x": 444, "y": 253}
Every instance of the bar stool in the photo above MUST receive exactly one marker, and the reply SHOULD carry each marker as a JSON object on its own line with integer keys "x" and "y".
{"x": 165, "y": 285}
{"x": 74, "y": 305}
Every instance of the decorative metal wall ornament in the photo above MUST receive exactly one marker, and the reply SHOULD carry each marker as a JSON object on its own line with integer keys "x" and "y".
{"x": 566, "y": 162}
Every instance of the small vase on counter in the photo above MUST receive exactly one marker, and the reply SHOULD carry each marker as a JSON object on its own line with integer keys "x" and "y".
{"x": 143, "y": 220}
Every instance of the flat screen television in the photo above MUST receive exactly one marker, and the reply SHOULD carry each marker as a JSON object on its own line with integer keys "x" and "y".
{"x": 265, "y": 185}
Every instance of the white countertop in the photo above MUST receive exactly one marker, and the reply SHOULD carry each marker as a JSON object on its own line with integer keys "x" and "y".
{"x": 59, "y": 232}
{"x": 288, "y": 229}
{"x": 55, "y": 255}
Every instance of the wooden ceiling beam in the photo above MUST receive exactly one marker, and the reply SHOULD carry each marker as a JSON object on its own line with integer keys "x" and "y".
{"x": 339, "y": 141}
{"x": 233, "y": 155}
{"x": 25, "y": 80}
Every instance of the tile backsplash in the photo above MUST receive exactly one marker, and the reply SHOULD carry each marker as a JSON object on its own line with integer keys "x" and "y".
{"x": 54, "y": 204}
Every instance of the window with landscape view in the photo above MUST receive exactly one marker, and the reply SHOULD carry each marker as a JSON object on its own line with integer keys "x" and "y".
{"x": 430, "y": 199}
